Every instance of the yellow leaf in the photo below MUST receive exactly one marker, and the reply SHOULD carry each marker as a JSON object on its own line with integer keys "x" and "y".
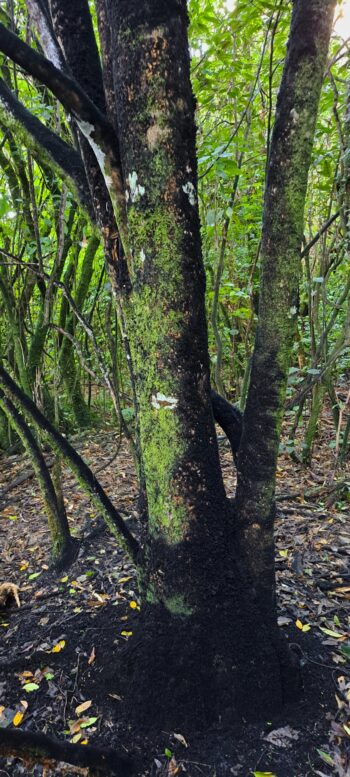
{"x": 299, "y": 624}
{"x": 76, "y": 738}
{"x": 84, "y": 741}
{"x": 124, "y": 579}
{"x": 92, "y": 657}
{"x": 17, "y": 720}
{"x": 64, "y": 579}
{"x": 83, "y": 707}
{"x": 306, "y": 627}
{"x": 58, "y": 647}
{"x": 134, "y": 605}
{"x": 283, "y": 553}
{"x": 126, "y": 633}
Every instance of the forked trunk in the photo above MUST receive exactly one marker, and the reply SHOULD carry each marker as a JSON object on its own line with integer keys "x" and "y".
{"x": 201, "y": 642}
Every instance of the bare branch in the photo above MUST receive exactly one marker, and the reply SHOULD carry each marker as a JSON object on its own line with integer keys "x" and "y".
{"x": 44, "y": 143}
{"x": 92, "y": 123}
{"x": 112, "y": 517}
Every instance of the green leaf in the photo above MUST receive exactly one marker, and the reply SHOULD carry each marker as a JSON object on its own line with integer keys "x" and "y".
{"x": 89, "y": 722}
{"x": 326, "y": 757}
{"x": 30, "y": 687}
{"x": 264, "y": 774}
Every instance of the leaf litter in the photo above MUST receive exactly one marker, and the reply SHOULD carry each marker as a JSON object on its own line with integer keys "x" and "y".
{"x": 77, "y": 621}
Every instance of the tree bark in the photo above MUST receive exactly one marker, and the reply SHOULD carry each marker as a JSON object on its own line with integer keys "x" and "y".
{"x": 283, "y": 221}
{"x": 197, "y": 627}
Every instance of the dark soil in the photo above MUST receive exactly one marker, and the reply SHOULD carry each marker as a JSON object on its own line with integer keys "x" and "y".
{"x": 87, "y": 614}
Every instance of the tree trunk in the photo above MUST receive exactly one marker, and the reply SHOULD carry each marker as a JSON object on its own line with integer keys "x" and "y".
{"x": 196, "y": 640}
{"x": 290, "y": 157}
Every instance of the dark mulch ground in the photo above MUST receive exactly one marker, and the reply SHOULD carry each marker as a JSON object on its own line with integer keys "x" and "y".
{"x": 64, "y": 638}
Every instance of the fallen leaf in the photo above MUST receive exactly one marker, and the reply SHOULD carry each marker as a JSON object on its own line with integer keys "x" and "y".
{"x": 58, "y": 647}
{"x": 17, "y": 720}
{"x": 302, "y": 626}
{"x": 92, "y": 657}
{"x": 180, "y": 739}
{"x": 264, "y": 774}
{"x": 30, "y": 687}
{"x": 335, "y": 634}
{"x": 83, "y": 707}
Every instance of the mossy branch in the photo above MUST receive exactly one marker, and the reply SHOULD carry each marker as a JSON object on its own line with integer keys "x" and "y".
{"x": 45, "y": 144}
{"x": 57, "y": 519}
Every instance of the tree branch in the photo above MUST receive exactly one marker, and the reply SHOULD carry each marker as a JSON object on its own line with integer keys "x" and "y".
{"x": 92, "y": 123}
{"x": 319, "y": 234}
{"x": 45, "y": 143}
{"x": 40, "y": 17}
{"x": 229, "y": 418}
{"x": 39, "y": 748}
{"x": 112, "y": 517}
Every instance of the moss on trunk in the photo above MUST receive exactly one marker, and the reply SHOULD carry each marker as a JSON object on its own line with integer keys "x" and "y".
{"x": 289, "y": 162}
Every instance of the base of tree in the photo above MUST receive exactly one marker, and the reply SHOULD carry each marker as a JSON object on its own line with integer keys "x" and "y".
{"x": 67, "y": 556}
{"x": 220, "y": 668}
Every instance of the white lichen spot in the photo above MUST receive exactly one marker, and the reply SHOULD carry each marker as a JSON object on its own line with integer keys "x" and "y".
{"x": 292, "y": 311}
{"x": 161, "y": 401}
{"x": 136, "y": 190}
{"x": 294, "y": 116}
{"x": 142, "y": 255}
{"x": 189, "y": 189}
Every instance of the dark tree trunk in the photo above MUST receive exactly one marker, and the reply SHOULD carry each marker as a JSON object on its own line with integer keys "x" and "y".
{"x": 196, "y": 641}
{"x": 283, "y": 222}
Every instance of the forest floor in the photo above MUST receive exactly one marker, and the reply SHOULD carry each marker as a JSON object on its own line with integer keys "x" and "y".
{"x": 57, "y": 651}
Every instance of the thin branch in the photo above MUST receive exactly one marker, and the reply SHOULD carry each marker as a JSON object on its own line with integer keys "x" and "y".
{"x": 79, "y": 351}
{"x": 44, "y": 143}
{"x": 112, "y": 517}
{"x": 319, "y": 234}
{"x": 39, "y": 748}
{"x": 92, "y": 123}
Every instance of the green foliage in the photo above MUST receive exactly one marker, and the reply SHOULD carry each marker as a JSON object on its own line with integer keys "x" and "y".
{"x": 238, "y": 50}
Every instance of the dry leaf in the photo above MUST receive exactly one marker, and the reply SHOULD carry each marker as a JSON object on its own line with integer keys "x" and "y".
{"x": 83, "y": 707}
{"x": 181, "y": 739}
{"x": 92, "y": 657}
